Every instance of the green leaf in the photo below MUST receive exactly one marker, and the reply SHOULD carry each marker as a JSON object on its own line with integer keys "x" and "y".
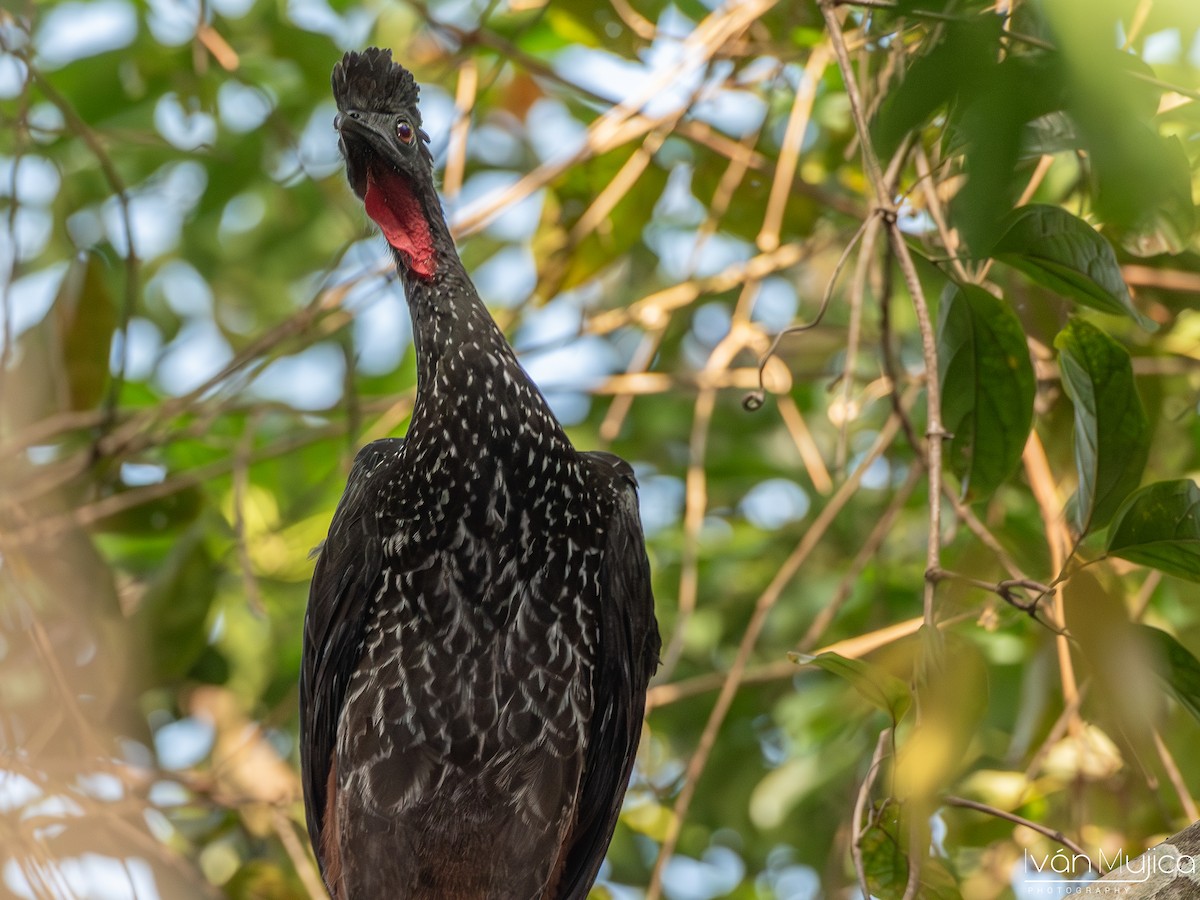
{"x": 987, "y": 386}
{"x": 885, "y": 861}
{"x": 1159, "y": 526}
{"x": 174, "y": 610}
{"x": 991, "y": 128}
{"x": 156, "y": 516}
{"x": 1176, "y": 666}
{"x": 86, "y": 319}
{"x": 885, "y": 691}
{"x": 1066, "y": 255}
{"x": 963, "y": 60}
{"x": 1112, "y": 435}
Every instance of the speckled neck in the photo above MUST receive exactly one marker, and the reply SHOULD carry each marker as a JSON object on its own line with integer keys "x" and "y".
{"x": 470, "y": 387}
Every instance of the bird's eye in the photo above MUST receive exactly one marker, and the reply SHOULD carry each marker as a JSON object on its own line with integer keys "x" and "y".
{"x": 405, "y": 131}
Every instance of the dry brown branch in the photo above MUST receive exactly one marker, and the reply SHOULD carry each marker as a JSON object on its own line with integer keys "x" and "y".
{"x": 298, "y": 853}
{"x": 1045, "y": 491}
{"x": 215, "y": 44}
{"x": 623, "y": 122}
{"x": 851, "y": 648}
{"x": 810, "y": 454}
{"x": 464, "y": 103}
{"x": 779, "y": 380}
{"x": 651, "y": 311}
{"x": 718, "y": 206}
{"x": 1163, "y": 279}
{"x": 937, "y": 212}
{"x": 637, "y": 23}
{"x": 622, "y": 402}
{"x": 985, "y": 537}
{"x": 845, "y": 404}
{"x": 621, "y": 183}
{"x": 789, "y": 151}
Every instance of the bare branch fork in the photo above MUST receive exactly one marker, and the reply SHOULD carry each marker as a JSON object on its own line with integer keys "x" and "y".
{"x": 935, "y": 432}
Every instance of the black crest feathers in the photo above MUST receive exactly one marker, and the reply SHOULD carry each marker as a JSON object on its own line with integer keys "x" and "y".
{"x": 371, "y": 81}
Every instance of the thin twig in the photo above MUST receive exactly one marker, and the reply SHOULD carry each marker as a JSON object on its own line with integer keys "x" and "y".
{"x": 1176, "y": 778}
{"x": 860, "y": 805}
{"x": 1051, "y": 833}
{"x": 302, "y": 861}
{"x": 696, "y": 491}
{"x": 867, "y": 552}
{"x": 754, "y": 400}
{"x": 241, "y": 479}
{"x": 464, "y": 103}
{"x": 623, "y": 122}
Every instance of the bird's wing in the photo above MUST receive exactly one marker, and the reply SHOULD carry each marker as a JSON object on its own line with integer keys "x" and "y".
{"x": 344, "y": 583}
{"x": 628, "y": 657}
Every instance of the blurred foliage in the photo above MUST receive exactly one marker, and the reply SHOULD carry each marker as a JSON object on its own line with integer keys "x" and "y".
{"x": 198, "y": 331}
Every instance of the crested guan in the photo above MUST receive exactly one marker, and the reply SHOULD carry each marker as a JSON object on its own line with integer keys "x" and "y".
{"x": 480, "y": 627}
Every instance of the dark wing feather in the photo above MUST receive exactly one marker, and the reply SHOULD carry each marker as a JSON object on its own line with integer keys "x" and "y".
{"x": 628, "y": 657}
{"x": 343, "y": 585}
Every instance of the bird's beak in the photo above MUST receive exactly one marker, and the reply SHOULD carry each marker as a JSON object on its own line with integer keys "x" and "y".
{"x": 384, "y": 178}
{"x": 364, "y": 142}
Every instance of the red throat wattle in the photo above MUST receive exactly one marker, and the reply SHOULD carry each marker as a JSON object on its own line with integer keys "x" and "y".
{"x": 390, "y": 201}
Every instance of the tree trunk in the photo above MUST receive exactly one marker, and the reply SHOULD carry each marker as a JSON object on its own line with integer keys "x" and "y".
{"x": 1169, "y": 870}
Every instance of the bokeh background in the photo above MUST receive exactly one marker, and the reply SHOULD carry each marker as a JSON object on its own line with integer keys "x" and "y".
{"x": 199, "y": 328}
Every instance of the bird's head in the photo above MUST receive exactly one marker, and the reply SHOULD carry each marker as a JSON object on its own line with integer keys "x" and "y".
{"x": 387, "y": 158}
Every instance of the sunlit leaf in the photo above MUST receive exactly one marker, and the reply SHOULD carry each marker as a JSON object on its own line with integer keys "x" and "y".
{"x": 1159, "y": 526}
{"x": 879, "y": 688}
{"x": 651, "y": 819}
{"x": 1140, "y": 182}
{"x": 1098, "y": 620}
{"x": 1062, "y": 252}
{"x": 987, "y": 387}
{"x": 951, "y": 687}
{"x": 1112, "y": 435}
